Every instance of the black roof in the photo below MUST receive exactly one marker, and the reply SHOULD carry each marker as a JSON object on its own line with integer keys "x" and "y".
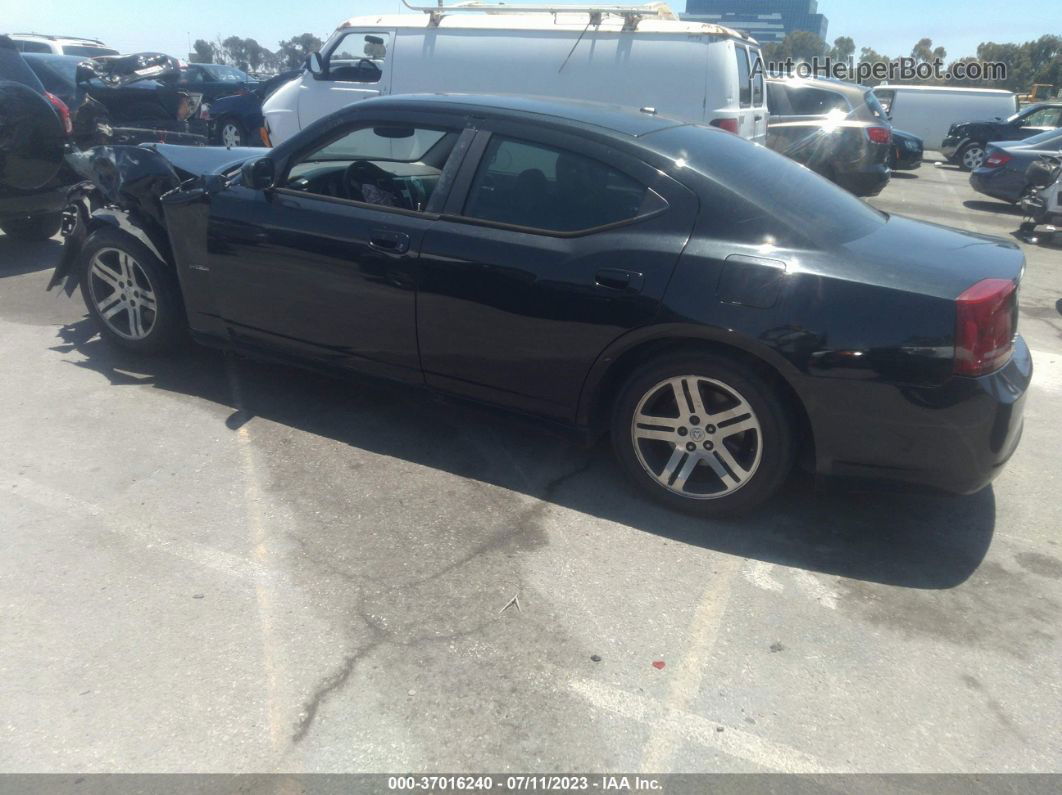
{"x": 614, "y": 118}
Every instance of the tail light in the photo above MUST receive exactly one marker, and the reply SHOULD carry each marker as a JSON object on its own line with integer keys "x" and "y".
{"x": 204, "y": 112}
{"x": 63, "y": 111}
{"x": 879, "y": 135}
{"x": 986, "y": 321}
{"x": 997, "y": 159}
{"x": 730, "y": 125}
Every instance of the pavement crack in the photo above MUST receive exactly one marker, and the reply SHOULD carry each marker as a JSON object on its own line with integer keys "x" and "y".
{"x": 332, "y": 683}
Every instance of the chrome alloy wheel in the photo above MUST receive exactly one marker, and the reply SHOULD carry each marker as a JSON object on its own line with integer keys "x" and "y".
{"x": 972, "y": 157}
{"x": 697, "y": 437}
{"x": 122, "y": 294}
{"x": 230, "y": 134}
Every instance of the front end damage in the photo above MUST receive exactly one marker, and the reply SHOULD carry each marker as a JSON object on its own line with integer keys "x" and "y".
{"x": 122, "y": 187}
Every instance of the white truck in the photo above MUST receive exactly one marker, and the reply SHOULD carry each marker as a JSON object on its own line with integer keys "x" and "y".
{"x": 636, "y": 56}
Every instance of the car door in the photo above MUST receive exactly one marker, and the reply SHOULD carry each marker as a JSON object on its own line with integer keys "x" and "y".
{"x": 324, "y": 264}
{"x": 357, "y": 66}
{"x": 550, "y": 248}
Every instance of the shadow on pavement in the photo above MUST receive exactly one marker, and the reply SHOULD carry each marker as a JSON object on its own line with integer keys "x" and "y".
{"x": 904, "y": 175}
{"x": 18, "y": 257}
{"x": 1000, "y": 208}
{"x": 904, "y": 539}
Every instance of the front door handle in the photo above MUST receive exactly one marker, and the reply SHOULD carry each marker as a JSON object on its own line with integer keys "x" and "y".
{"x": 389, "y": 242}
{"x": 617, "y": 279}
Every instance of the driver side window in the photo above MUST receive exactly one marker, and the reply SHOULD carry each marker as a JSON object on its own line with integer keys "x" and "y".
{"x": 359, "y": 58}
{"x": 387, "y": 165}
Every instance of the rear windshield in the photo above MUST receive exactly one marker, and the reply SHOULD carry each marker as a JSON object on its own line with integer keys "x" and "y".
{"x": 1045, "y": 138}
{"x": 761, "y": 195}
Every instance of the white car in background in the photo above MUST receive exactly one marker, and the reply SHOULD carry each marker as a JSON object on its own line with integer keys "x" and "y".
{"x": 60, "y": 45}
{"x": 639, "y": 56}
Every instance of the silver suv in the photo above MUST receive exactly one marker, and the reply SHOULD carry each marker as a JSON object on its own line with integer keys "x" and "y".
{"x": 60, "y": 45}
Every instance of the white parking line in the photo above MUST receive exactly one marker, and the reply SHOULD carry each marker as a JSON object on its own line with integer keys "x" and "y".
{"x": 73, "y": 507}
{"x": 1047, "y": 371}
{"x": 686, "y": 680}
{"x": 694, "y": 728}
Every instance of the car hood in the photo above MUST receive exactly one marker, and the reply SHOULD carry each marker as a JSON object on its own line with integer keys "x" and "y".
{"x": 932, "y": 259}
{"x": 203, "y": 160}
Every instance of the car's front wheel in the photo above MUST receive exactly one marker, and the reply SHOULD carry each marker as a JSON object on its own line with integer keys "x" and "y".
{"x": 971, "y": 157}
{"x": 133, "y": 297}
{"x": 703, "y": 433}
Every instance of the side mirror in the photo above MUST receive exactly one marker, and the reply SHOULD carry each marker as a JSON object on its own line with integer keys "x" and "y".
{"x": 259, "y": 174}
{"x": 315, "y": 63}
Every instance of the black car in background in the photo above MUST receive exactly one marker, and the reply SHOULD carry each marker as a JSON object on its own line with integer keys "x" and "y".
{"x": 715, "y": 307}
{"x": 905, "y": 153}
{"x": 237, "y": 120}
{"x": 112, "y": 105}
{"x": 205, "y": 82}
{"x": 966, "y": 141}
{"x": 34, "y": 180}
{"x": 836, "y": 129}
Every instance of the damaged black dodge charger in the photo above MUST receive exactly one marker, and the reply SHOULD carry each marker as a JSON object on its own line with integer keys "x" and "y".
{"x": 720, "y": 310}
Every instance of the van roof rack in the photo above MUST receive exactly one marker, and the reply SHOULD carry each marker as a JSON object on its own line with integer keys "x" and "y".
{"x": 632, "y": 14}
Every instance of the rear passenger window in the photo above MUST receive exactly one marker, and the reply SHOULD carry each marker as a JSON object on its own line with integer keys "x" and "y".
{"x": 808, "y": 101}
{"x": 539, "y": 187}
{"x": 744, "y": 86}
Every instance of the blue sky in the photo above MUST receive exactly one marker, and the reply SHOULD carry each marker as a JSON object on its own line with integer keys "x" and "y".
{"x": 163, "y": 25}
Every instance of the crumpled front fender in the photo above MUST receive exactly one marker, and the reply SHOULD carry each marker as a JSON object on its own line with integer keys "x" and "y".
{"x": 122, "y": 188}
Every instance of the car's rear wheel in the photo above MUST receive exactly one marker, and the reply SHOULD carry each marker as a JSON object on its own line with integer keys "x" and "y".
{"x": 38, "y": 227}
{"x": 971, "y": 157}
{"x": 230, "y": 133}
{"x": 133, "y": 297}
{"x": 703, "y": 433}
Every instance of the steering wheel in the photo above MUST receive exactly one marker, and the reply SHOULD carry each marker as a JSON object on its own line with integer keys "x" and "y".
{"x": 362, "y": 172}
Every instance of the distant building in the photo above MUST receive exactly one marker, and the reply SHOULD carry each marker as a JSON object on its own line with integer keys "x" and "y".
{"x": 765, "y": 20}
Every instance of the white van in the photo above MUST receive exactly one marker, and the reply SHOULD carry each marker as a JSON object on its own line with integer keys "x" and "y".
{"x": 639, "y": 56}
{"x": 928, "y": 111}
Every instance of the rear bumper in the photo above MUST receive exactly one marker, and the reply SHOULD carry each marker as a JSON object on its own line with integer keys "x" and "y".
{"x": 956, "y": 437}
{"x": 15, "y": 206}
{"x": 999, "y": 183}
{"x": 866, "y": 182}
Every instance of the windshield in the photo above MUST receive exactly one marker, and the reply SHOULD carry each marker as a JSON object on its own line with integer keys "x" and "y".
{"x": 226, "y": 74}
{"x": 55, "y": 71}
{"x": 369, "y": 144}
{"x": 765, "y": 197}
{"x": 92, "y": 52}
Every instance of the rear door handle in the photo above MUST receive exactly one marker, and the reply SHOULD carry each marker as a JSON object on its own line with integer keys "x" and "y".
{"x": 388, "y": 241}
{"x": 618, "y": 279}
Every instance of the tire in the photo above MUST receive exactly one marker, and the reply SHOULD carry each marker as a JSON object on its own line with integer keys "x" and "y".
{"x": 731, "y": 472}
{"x": 133, "y": 297}
{"x": 230, "y": 133}
{"x": 38, "y": 227}
{"x": 971, "y": 156}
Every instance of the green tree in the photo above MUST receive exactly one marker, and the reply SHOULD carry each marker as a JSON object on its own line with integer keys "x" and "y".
{"x": 843, "y": 48}
{"x": 203, "y": 52}
{"x": 294, "y": 51}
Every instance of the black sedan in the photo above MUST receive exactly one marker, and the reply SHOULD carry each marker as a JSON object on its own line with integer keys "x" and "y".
{"x": 905, "y": 151}
{"x": 718, "y": 309}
